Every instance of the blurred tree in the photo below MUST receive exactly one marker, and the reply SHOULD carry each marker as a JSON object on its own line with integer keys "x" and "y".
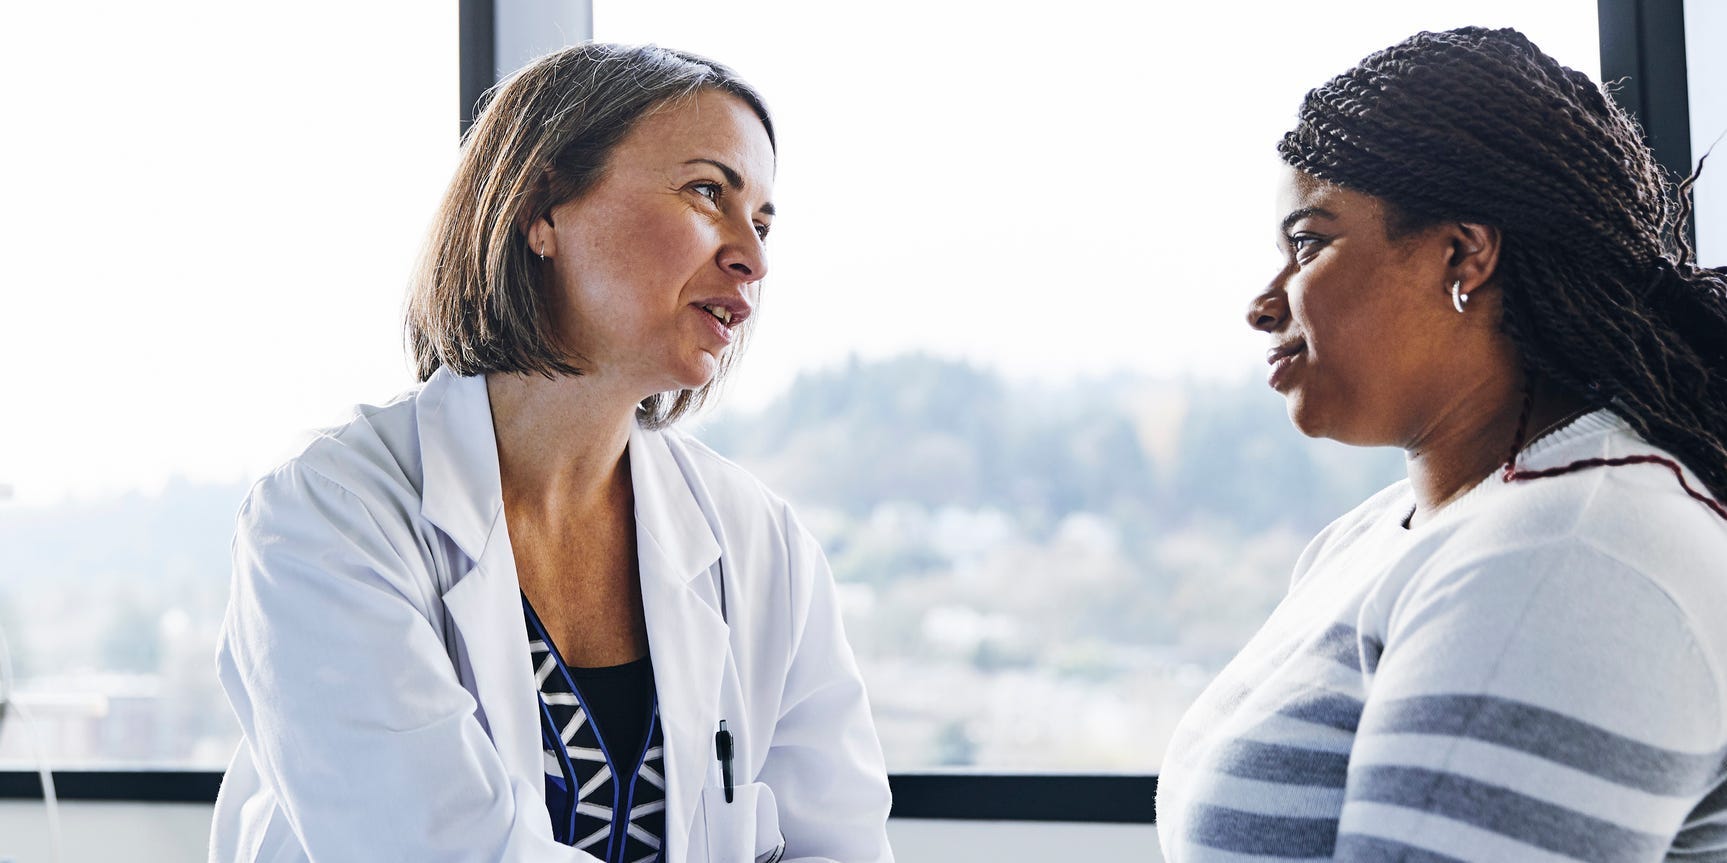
{"x": 132, "y": 638}
{"x": 954, "y": 746}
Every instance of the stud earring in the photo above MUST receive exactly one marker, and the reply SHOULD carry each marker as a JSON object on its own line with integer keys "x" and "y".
{"x": 1459, "y": 299}
{"x": 542, "y": 250}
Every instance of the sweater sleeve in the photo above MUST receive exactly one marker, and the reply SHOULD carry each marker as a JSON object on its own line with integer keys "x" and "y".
{"x": 1547, "y": 704}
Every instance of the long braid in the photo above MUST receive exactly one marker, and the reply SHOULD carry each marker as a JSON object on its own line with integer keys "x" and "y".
{"x": 1602, "y": 293}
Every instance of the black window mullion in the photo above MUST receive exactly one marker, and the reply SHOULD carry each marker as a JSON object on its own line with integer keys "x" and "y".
{"x": 1643, "y": 54}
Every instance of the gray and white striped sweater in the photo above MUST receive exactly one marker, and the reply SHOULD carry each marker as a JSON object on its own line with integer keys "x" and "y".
{"x": 1538, "y": 672}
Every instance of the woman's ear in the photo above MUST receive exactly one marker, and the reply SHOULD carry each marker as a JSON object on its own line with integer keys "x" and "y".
{"x": 542, "y": 240}
{"x": 1474, "y": 254}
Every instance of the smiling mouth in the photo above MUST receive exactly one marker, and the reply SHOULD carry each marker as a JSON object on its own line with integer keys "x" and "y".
{"x": 1282, "y": 351}
{"x": 1282, "y": 361}
{"x": 723, "y": 314}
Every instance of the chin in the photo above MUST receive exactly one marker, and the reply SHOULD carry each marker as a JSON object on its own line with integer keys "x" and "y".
{"x": 1353, "y": 428}
{"x": 695, "y": 376}
{"x": 1314, "y": 422}
{"x": 1302, "y": 416}
{"x": 1306, "y": 426}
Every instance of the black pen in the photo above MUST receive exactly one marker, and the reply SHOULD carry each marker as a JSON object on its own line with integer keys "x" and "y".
{"x": 723, "y": 743}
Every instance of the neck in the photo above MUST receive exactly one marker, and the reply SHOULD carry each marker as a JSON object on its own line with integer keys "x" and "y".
{"x": 561, "y": 442}
{"x": 1457, "y": 453}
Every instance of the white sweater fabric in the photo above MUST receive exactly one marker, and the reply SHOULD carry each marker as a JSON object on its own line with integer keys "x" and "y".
{"x": 1536, "y": 672}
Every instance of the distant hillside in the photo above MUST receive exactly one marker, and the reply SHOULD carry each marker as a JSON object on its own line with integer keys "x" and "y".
{"x": 943, "y": 433}
{"x": 912, "y": 428}
{"x": 182, "y": 532}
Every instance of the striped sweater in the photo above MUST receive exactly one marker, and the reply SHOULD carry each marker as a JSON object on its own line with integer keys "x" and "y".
{"x": 1537, "y": 672}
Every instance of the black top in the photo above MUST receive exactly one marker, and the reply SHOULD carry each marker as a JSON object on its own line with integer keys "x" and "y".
{"x": 620, "y": 699}
{"x": 604, "y": 752}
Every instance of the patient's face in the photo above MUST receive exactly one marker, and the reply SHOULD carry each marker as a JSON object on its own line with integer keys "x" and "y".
{"x": 1358, "y": 322}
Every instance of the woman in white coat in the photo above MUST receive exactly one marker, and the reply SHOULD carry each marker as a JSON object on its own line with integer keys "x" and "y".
{"x": 506, "y": 616}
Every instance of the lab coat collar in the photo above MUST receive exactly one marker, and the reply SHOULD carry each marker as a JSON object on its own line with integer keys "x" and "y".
{"x": 667, "y": 511}
{"x": 461, "y": 492}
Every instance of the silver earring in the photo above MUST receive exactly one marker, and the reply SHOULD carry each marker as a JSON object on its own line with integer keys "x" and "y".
{"x": 542, "y": 250}
{"x": 1459, "y": 299}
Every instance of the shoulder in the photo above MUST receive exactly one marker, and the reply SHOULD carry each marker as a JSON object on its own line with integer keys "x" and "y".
{"x": 373, "y": 454}
{"x": 344, "y": 515}
{"x": 1563, "y": 626}
{"x": 1565, "y": 621}
{"x": 1633, "y": 517}
{"x": 1390, "y": 503}
{"x": 1593, "y": 588}
{"x": 348, "y": 484}
{"x": 734, "y": 492}
{"x": 1641, "y": 514}
{"x": 755, "y": 526}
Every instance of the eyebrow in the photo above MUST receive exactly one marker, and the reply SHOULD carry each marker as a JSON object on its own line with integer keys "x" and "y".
{"x": 1303, "y": 213}
{"x": 733, "y": 179}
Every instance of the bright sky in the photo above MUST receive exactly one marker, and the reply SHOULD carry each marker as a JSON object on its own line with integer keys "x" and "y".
{"x": 213, "y": 207}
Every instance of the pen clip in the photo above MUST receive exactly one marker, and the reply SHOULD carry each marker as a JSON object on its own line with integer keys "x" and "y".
{"x": 723, "y": 747}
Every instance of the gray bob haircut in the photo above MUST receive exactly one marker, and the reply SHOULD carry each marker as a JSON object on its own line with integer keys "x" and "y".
{"x": 478, "y": 302}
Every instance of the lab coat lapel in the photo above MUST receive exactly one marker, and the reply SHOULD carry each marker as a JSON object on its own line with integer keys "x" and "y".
{"x": 462, "y": 495}
{"x": 461, "y": 491}
{"x": 686, "y": 632}
{"x": 486, "y": 608}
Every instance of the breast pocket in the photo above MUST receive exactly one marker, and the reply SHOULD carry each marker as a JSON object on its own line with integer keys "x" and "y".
{"x": 746, "y": 830}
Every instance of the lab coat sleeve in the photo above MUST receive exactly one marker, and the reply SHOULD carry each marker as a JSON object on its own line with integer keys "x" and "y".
{"x": 825, "y": 762}
{"x": 352, "y": 711}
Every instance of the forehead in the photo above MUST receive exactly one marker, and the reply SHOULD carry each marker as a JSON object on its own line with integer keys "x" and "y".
{"x": 1299, "y": 190}
{"x": 707, "y": 125}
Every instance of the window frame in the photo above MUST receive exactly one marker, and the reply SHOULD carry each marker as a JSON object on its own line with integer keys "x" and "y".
{"x": 1099, "y": 798}
{"x": 1642, "y": 44}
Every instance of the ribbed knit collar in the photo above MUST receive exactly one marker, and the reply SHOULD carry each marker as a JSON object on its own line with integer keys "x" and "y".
{"x": 1536, "y": 454}
{"x": 1587, "y": 425}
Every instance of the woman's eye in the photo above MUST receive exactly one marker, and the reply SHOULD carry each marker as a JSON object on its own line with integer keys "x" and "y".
{"x": 1302, "y": 242}
{"x": 762, "y": 231}
{"x": 711, "y": 191}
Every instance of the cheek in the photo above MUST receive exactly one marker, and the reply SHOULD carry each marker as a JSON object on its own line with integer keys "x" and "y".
{"x": 637, "y": 243}
{"x": 1343, "y": 324}
{"x": 1345, "y": 310}
{"x": 669, "y": 233}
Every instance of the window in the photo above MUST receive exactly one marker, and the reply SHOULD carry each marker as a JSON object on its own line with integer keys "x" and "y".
{"x": 1706, "y": 67}
{"x": 212, "y": 211}
{"x": 1001, "y": 372}
{"x": 1002, "y": 368}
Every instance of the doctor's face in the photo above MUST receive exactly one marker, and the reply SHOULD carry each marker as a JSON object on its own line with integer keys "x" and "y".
{"x": 657, "y": 266}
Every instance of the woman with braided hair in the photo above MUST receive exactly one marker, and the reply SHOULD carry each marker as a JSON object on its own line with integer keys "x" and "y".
{"x": 1520, "y": 651}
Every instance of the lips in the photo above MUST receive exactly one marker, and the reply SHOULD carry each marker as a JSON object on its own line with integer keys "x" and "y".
{"x": 728, "y": 312}
{"x": 1282, "y": 358}
{"x": 1285, "y": 350}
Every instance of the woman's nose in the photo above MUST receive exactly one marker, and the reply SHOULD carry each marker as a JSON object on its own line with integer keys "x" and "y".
{"x": 745, "y": 258}
{"x": 1269, "y": 311}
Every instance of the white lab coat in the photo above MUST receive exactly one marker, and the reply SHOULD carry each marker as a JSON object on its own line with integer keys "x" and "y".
{"x": 375, "y": 653}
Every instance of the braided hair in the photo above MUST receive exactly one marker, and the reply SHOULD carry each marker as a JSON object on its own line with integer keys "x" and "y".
{"x": 1602, "y": 294}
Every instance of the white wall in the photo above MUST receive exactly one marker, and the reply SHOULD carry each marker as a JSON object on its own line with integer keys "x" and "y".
{"x": 175, "y": 833}
{"x": 1017, "y": 841}
{"x": 106, "y": 832}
